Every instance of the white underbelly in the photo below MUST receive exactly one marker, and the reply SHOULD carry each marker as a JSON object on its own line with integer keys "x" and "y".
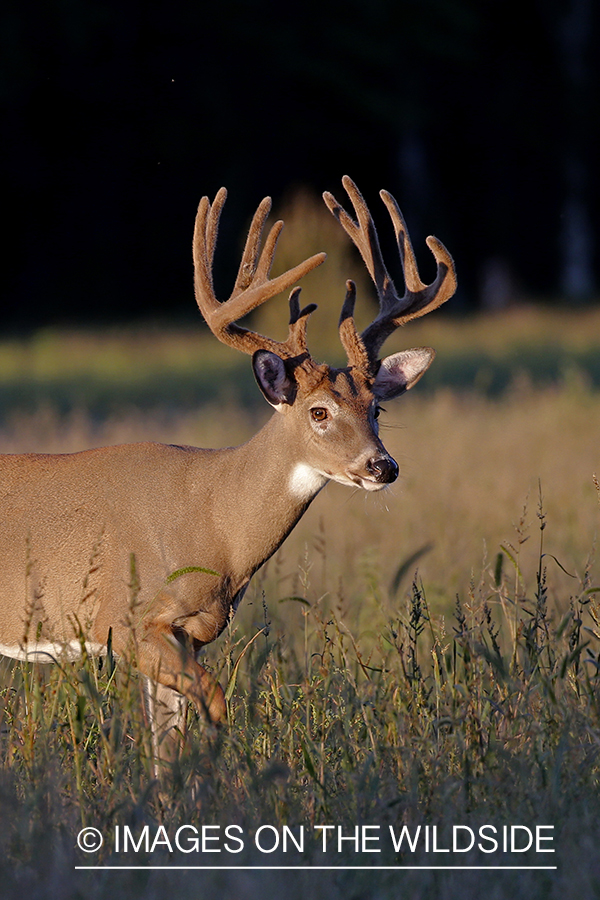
{"x": 50, "y": 651}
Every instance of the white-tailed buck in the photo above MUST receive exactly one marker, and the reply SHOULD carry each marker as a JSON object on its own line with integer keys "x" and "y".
{"x": 72, "y": 523}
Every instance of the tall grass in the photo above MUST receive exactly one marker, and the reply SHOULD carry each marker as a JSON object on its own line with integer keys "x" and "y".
{"x": 425, "y": 657}
{"x": 487, "y": 717}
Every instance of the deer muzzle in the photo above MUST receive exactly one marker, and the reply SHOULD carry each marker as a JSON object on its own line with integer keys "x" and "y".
{"x": 383, "y": 469}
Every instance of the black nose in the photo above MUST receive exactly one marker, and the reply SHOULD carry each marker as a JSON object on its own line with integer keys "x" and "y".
{"x": 384, "y": 468}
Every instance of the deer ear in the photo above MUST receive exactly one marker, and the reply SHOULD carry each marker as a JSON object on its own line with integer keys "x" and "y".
{"x": 398, "y": 373}
{"x": 272, "y": 378}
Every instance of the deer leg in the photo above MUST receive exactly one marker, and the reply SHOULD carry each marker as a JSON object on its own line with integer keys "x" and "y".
{"x": 172, "y": 677}
{"x": 168, "y": 661}
{"x": 166, "y": 714}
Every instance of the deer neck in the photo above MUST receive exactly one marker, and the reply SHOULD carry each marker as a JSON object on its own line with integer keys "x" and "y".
{"x": 270, "y": 487}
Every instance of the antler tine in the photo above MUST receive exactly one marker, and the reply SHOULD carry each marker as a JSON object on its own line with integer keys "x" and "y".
{"x": 350, "y": 339}
{"x": 412, "y": 279}
{"x": 249, "y": 261}
{"x": 212, "y": 225}
{"x": 263, "y": 288}
{"x": 364, "y": 235}
{"x": 253, "y": 285}
{"x": 418, "y": 298}
{"x": 205, "y": 235}
{"x": 263, "y": 269}
{"x": 296, "y": 339}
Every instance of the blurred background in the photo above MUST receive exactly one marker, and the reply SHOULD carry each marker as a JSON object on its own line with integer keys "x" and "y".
{"x": 483, "y": 122}
{"x": 117, "y": 116}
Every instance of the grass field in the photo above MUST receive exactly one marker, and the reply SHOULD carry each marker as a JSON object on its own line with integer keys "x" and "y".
{"x": 426, "y": 657}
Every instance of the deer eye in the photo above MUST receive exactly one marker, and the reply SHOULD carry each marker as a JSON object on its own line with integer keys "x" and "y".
{"x": 319, "y": 414}
{"x": 377, "y": 411}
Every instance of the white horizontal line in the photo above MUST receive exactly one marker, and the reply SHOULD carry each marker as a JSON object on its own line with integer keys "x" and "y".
{"x": 324, "y": 868}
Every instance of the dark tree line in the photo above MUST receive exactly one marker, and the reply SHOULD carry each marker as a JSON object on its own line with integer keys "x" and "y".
{"x": 480, "y": 117}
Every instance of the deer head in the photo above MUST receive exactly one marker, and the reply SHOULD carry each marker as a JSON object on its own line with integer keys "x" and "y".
{"x": 331, "y": 413}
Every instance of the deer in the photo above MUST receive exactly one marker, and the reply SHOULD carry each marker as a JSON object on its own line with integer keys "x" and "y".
{"x": 74, "y": 522}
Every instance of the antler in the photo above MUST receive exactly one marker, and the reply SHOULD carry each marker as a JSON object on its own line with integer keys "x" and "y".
{"x": 252, "y": 286}
{"x": 394, "y": 311}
